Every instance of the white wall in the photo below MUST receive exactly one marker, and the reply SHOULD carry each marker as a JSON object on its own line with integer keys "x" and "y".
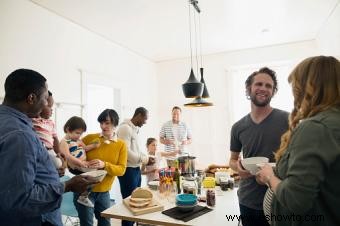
{"x": 328, "y": 40}
{"x": 33, "y": 37}
{"x": 211, "y": 126}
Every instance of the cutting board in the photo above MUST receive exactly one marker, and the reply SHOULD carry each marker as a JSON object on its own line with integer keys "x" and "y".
{"x": 154, "y": 206}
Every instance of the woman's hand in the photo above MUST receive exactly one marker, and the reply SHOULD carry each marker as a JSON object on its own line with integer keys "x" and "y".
{"x": 265, "y": 174}
{"x": 96, "y": 164}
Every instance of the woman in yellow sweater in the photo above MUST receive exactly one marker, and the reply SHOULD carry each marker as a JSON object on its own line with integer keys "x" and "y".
{"x": 111, "y": 155}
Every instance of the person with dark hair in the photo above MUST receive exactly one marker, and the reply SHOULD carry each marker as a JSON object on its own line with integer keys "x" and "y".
{"x": 128, "y": 131}
{"x": 75, "y": 151}
{"x": 151, "y": 170}
{"x": 175, "y": 135}
{"x": 111, "y": 156}
{"x": 30, "y": 190}
{"x": 305, "y": 180}
{"x": 256, "y": 134}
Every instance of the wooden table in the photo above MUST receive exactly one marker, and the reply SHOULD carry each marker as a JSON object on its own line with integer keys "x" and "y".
{"x": 226, "y": 205}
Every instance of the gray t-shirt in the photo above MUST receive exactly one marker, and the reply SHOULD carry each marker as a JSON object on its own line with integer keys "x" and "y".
{"x": 253, "y": 139}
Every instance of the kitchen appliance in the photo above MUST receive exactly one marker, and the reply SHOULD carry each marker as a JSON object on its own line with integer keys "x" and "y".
{"x": 186, "y": 165}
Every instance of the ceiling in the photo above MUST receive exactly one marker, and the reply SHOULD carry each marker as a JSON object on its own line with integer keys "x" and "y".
{"x": 159, "y": 29}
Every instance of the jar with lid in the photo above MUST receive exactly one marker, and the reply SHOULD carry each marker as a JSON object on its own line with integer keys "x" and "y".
{"x": 224, "y": 183}
{"x": 211, "y": 199}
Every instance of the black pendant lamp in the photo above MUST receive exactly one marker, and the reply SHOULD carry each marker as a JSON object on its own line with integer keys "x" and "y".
{"x": 205, "y": 93}
{"x": 198, "y": 101}
{"x": 192, "y": 87}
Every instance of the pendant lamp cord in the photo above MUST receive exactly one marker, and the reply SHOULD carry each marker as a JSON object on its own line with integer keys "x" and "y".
{"x": 200, "y": 37}
{"x": 190, "y": 33}
{"x": 196, "y": 43}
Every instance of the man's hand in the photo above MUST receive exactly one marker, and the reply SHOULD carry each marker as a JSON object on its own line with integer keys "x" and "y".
{"x": 151, "y": 160}
{"x": 79, "y": 183}
{"x": 243, "y": 173}
{"x": 168, "y": 141}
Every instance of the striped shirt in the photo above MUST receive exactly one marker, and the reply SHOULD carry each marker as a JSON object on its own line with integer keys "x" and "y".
{"x": 45, "y": 128}
{"x": 176, "y": 132}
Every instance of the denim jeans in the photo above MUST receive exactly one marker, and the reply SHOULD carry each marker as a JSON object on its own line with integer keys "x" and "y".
{"x": 252, "y": 217}
{"x": 101, "y": 201}
{"x": 129, "y": 182}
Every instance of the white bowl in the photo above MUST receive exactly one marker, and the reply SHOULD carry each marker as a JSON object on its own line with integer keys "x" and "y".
{"x": 153, "y": 184}
{"x": 250, "y": 164}
{"x": 272, "y": 164}
{"x": 97, "y": 175}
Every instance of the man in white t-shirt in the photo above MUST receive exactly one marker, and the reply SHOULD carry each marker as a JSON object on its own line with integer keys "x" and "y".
{"x": 175, "y": 134}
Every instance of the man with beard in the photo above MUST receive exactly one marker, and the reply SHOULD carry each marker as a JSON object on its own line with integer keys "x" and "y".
{"x": 256, "y": 134}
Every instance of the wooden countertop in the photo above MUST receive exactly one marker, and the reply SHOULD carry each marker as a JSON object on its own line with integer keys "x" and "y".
{"x": 226, "y": 205}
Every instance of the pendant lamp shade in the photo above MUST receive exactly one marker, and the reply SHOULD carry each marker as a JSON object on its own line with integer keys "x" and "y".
{"x": 198, "y": 102}
{"x": 205, "y": 93}
{"x": 192, "y": 87}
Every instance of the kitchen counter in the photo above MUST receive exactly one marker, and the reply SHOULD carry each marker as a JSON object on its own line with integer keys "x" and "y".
{"x": 225, "y": 209}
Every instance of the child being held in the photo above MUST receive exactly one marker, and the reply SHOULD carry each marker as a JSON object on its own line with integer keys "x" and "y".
{"x": 45, "y": 128}
{"x": 151, "y": 171}
{"x": 75, "y": 151}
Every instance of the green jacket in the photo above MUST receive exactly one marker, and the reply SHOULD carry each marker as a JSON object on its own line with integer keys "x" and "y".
{"x": 309, "y": 193}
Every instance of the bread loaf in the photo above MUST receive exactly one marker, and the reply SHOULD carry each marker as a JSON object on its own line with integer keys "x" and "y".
{"x": 139, "y": 205}
{"x": 141, "y": 193}
{"x": 140, "y": 198}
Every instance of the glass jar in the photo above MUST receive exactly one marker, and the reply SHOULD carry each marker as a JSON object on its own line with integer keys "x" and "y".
{"x": 224, "y": 183}
{"x": 211, "y": 199}
{"x": 189, "y": 187}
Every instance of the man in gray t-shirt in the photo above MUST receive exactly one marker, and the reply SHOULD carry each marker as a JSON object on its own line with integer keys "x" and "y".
{"x": 256, "y": 134}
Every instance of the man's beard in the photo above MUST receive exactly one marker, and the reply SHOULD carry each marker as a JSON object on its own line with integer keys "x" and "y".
{"x": 258, "y": 103}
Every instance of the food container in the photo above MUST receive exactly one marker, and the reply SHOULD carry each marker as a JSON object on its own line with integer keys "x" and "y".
{"x": 189, "y": 187}
{"x": 209, "y": 182}
{"x": 220, "y": 174}
{"x": 224, "y": 183}
{"x": 211, "y": 200}
{"x": 166, "y": 179}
